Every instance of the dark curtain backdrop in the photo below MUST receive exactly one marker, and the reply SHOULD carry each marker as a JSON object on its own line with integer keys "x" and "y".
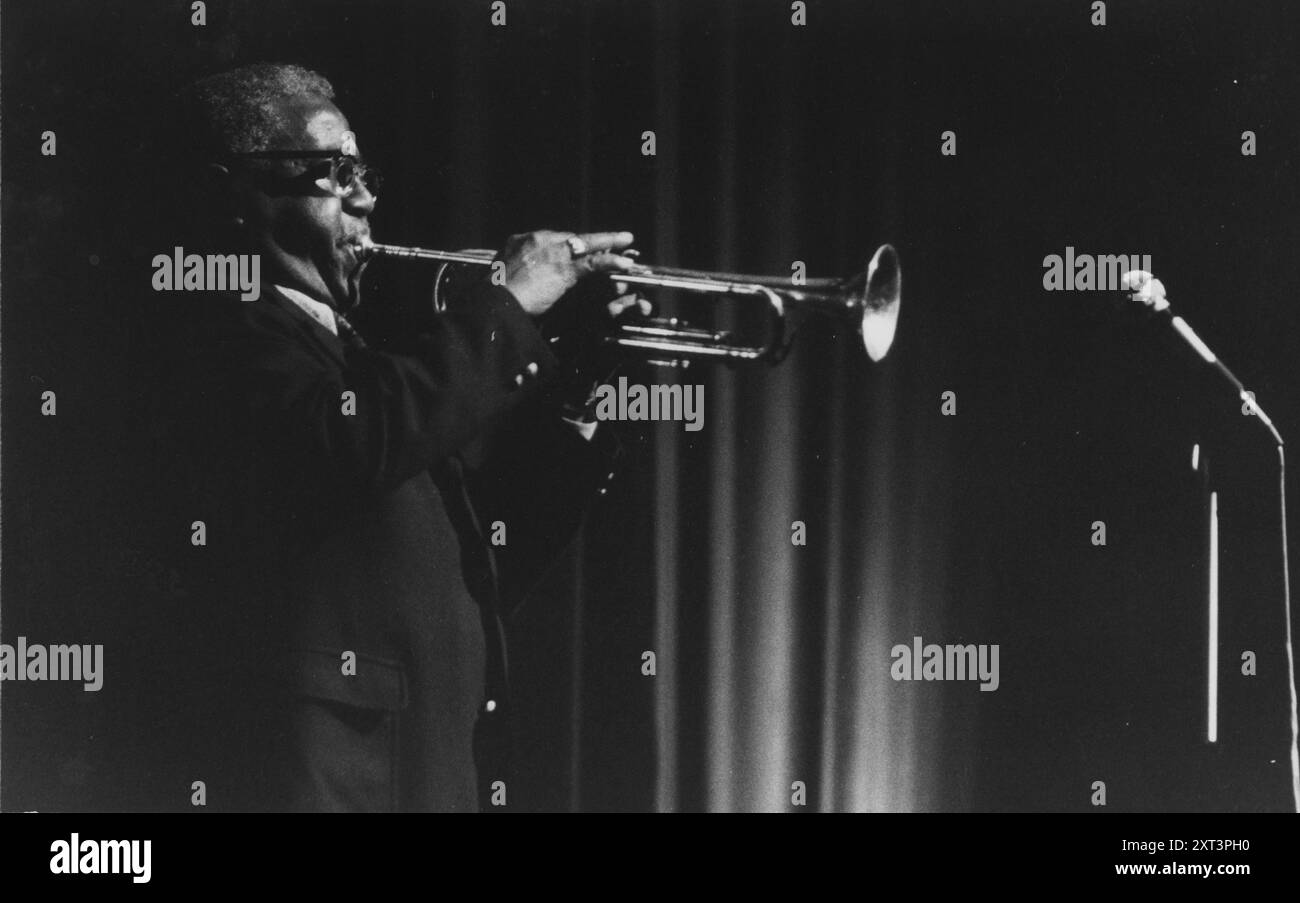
{"x": 775, "y": 144}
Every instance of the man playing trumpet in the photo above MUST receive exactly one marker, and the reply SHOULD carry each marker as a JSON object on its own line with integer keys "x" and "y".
{"x": 385, "y": 508}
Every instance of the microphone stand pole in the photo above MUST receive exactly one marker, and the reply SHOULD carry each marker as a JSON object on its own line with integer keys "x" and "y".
{"x": 1210, "y": 499}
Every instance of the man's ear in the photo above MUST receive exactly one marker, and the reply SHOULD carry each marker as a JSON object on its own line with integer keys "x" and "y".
{"x": 223, "y": 192}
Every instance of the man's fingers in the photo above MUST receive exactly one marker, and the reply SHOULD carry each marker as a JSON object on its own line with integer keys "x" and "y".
{"x": 597, "y": 242}
{"x": 609, "y": 262}
{"x": 620, "y": 305}
{"x": 627, "y": 299}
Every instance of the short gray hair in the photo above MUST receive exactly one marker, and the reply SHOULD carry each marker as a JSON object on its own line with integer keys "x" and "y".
{"x": 233, "y": 111}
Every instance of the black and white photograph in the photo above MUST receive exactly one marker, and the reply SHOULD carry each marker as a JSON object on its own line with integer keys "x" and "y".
{"x": 648, "y": 406}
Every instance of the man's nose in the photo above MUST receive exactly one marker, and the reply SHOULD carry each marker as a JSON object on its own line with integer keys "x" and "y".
{"x": 360, "y": 201}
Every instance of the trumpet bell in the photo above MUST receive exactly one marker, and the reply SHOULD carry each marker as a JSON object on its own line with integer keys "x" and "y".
{"x": 882, "y": 295}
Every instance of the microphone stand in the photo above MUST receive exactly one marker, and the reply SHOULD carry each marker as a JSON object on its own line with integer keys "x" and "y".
{"x": 1142, "y": 287}
{"x": 1250, "y": 407}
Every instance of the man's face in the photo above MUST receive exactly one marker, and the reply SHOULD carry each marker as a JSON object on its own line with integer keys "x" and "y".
{"x": 308, "y": 236}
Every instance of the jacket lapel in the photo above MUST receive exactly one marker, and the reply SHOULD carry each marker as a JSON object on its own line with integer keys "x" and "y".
{"x": 317, "y": 334}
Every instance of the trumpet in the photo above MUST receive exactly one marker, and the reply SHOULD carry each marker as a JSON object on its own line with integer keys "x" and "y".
{"x": 869, "y": 301}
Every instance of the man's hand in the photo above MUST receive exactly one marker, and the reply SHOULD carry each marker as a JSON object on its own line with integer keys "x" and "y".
{"x": 542, "y": 266}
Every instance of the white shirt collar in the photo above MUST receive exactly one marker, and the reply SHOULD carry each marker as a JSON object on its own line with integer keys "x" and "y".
{"x": 321, "y": 313}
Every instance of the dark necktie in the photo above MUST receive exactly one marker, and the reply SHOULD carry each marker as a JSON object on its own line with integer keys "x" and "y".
{"x": 349, "y": 334}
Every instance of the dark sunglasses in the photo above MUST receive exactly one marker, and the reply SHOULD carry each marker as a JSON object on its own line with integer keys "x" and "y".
{"x": 340, "y": 173}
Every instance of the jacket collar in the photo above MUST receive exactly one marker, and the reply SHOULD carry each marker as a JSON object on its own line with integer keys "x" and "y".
{"x": 314, "y": 331}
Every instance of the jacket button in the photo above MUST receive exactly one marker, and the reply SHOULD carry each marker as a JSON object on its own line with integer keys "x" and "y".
{"x": 490, "y": 705}
{"x": 532, "y": 368}
{"x": 519, "y": 379}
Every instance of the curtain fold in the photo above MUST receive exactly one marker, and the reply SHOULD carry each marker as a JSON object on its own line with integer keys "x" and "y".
{"x": 782, "y": 649}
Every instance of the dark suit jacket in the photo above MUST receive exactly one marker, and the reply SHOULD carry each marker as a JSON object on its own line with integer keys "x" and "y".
{"x": 356, "y": 527}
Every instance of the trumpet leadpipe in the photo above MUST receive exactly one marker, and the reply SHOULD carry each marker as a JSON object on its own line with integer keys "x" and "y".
{"x": 474, "y": 257}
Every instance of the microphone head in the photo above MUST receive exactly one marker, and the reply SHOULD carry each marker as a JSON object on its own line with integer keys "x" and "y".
{"x": 1141, "y": 286}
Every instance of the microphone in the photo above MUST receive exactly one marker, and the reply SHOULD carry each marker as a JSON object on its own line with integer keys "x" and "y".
{"x": 1146, "y": 289}
{"x": 1141, "y": 286}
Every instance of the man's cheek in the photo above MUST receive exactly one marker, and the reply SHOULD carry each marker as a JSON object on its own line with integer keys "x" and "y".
{"x": 312, "y": 225}
{"x": 296, "y": 236}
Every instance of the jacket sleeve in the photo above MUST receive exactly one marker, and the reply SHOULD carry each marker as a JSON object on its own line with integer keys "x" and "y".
{"x": 477, "y": 361}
